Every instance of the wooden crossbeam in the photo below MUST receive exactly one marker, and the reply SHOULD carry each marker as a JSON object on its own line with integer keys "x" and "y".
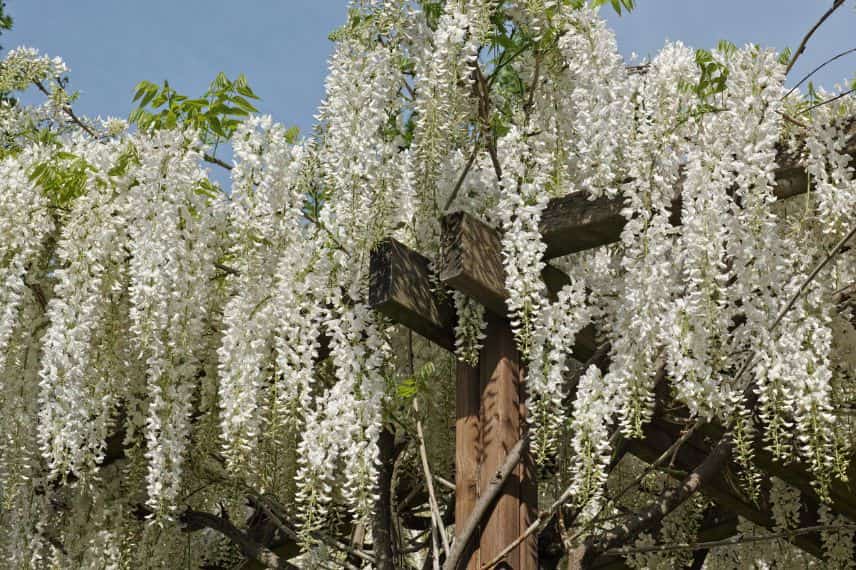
{"x": 400, "y": 288}
{"x": 472, "y": 264}
{"x": 575, "y": 223}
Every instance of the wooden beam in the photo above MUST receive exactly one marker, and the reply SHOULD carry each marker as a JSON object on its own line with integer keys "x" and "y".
{"x": 472, "y": 264}
{"x": 472, "y": 250}
{"x": 400, "y": 288}
{"x": 575, "y": 223}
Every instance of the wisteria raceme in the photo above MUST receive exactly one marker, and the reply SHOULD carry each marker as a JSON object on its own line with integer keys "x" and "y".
{"x": 24, "y": 229}
{"x": 342, "y": 428}
{"x": 592, "y": 106}
{"x": 829, "y": 167}
{"x": 356, "y": 159}
{"x": 590, "y": 422}
{"x": 727, "y": 248}
{"x": 469, "y": 330}
{"x": 445, "y": 63}
{"x": 168, "y": 308}
{"x": 265, "y": 220}
{"x": 23, "y": 66}
{"x": 649, "y": 278}
{"x": 76, "y": 397}
{"x": 553, "y": 343}
{"x": 300, "y": 314}
{"x": 520, "y": 207}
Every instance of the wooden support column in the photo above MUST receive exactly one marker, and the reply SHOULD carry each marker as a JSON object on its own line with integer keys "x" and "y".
{"x": 503, "y": 420}
{"x": 467, "y": 453}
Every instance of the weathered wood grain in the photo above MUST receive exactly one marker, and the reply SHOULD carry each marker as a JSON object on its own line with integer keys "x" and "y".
{"x": 400, "y": 288}
{"x": 501, "y": 428}
{"x": 472, "y": 264}
{"x": 468, "y": 450}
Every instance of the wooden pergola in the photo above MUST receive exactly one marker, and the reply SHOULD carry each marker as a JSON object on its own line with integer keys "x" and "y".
{"x": 490, "y": 398}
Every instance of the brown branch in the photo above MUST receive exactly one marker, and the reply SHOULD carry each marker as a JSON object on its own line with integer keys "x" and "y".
{"x": 835, "y": 6}
{"x": 214, "y": 160}
{"x": 818, "y": 68}
{"x": 197, "y": 520}
{"x": 382, "y": 525}
{"x": 480, "y": 509}
{"x": 227, "y": 269}
{"x": 38, "y": 294}
{"x": 429, "y": 482}
{"x": 68, "y": 111}
{"x": 830, "y": 100}
{"x": 463, "y": 175}
{"x": 484, "y": 118}
{"x": 667, "y": 502}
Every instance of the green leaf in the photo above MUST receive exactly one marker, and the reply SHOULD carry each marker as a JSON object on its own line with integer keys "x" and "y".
{"x": 291, "y": 134}
{"x": 407, "y": 388}
{"x": 243, "y": 104}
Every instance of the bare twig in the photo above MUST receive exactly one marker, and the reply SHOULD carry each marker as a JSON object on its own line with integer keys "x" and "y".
{"x": 828, "y": 101}
{"x": 463, "y": 175}
{"x": 68, "y": 111}
{"x": 484, "y": 502}
{"x": 429, "y": 481}
{"x": 791, "y": 120}
{"x": 835, "y": 6}
{"x": 816, "y": 69}
{"x": 227, "y": 269}
{"x": 445, "y": 482}
{"x": 214, "y": 160}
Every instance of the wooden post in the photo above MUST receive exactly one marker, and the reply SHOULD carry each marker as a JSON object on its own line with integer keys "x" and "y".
{"x": 467, "y": 453}
{"x": 502, "y": 424}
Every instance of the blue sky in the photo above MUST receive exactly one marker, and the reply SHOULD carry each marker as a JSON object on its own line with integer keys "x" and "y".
{"x": 282, "y": 45}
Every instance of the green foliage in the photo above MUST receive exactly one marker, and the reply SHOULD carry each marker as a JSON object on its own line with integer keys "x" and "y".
{"x": 63, "y": 177}
{"x": 713, "y": 76}
{"x": 617, "y": 5}
{"x": 125, "y": 159}
{"x": 215, "y": 115}
{"x": 785, "y": 56}
{"x": 417, "y": 384}
{"x": 5, "y": 19}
